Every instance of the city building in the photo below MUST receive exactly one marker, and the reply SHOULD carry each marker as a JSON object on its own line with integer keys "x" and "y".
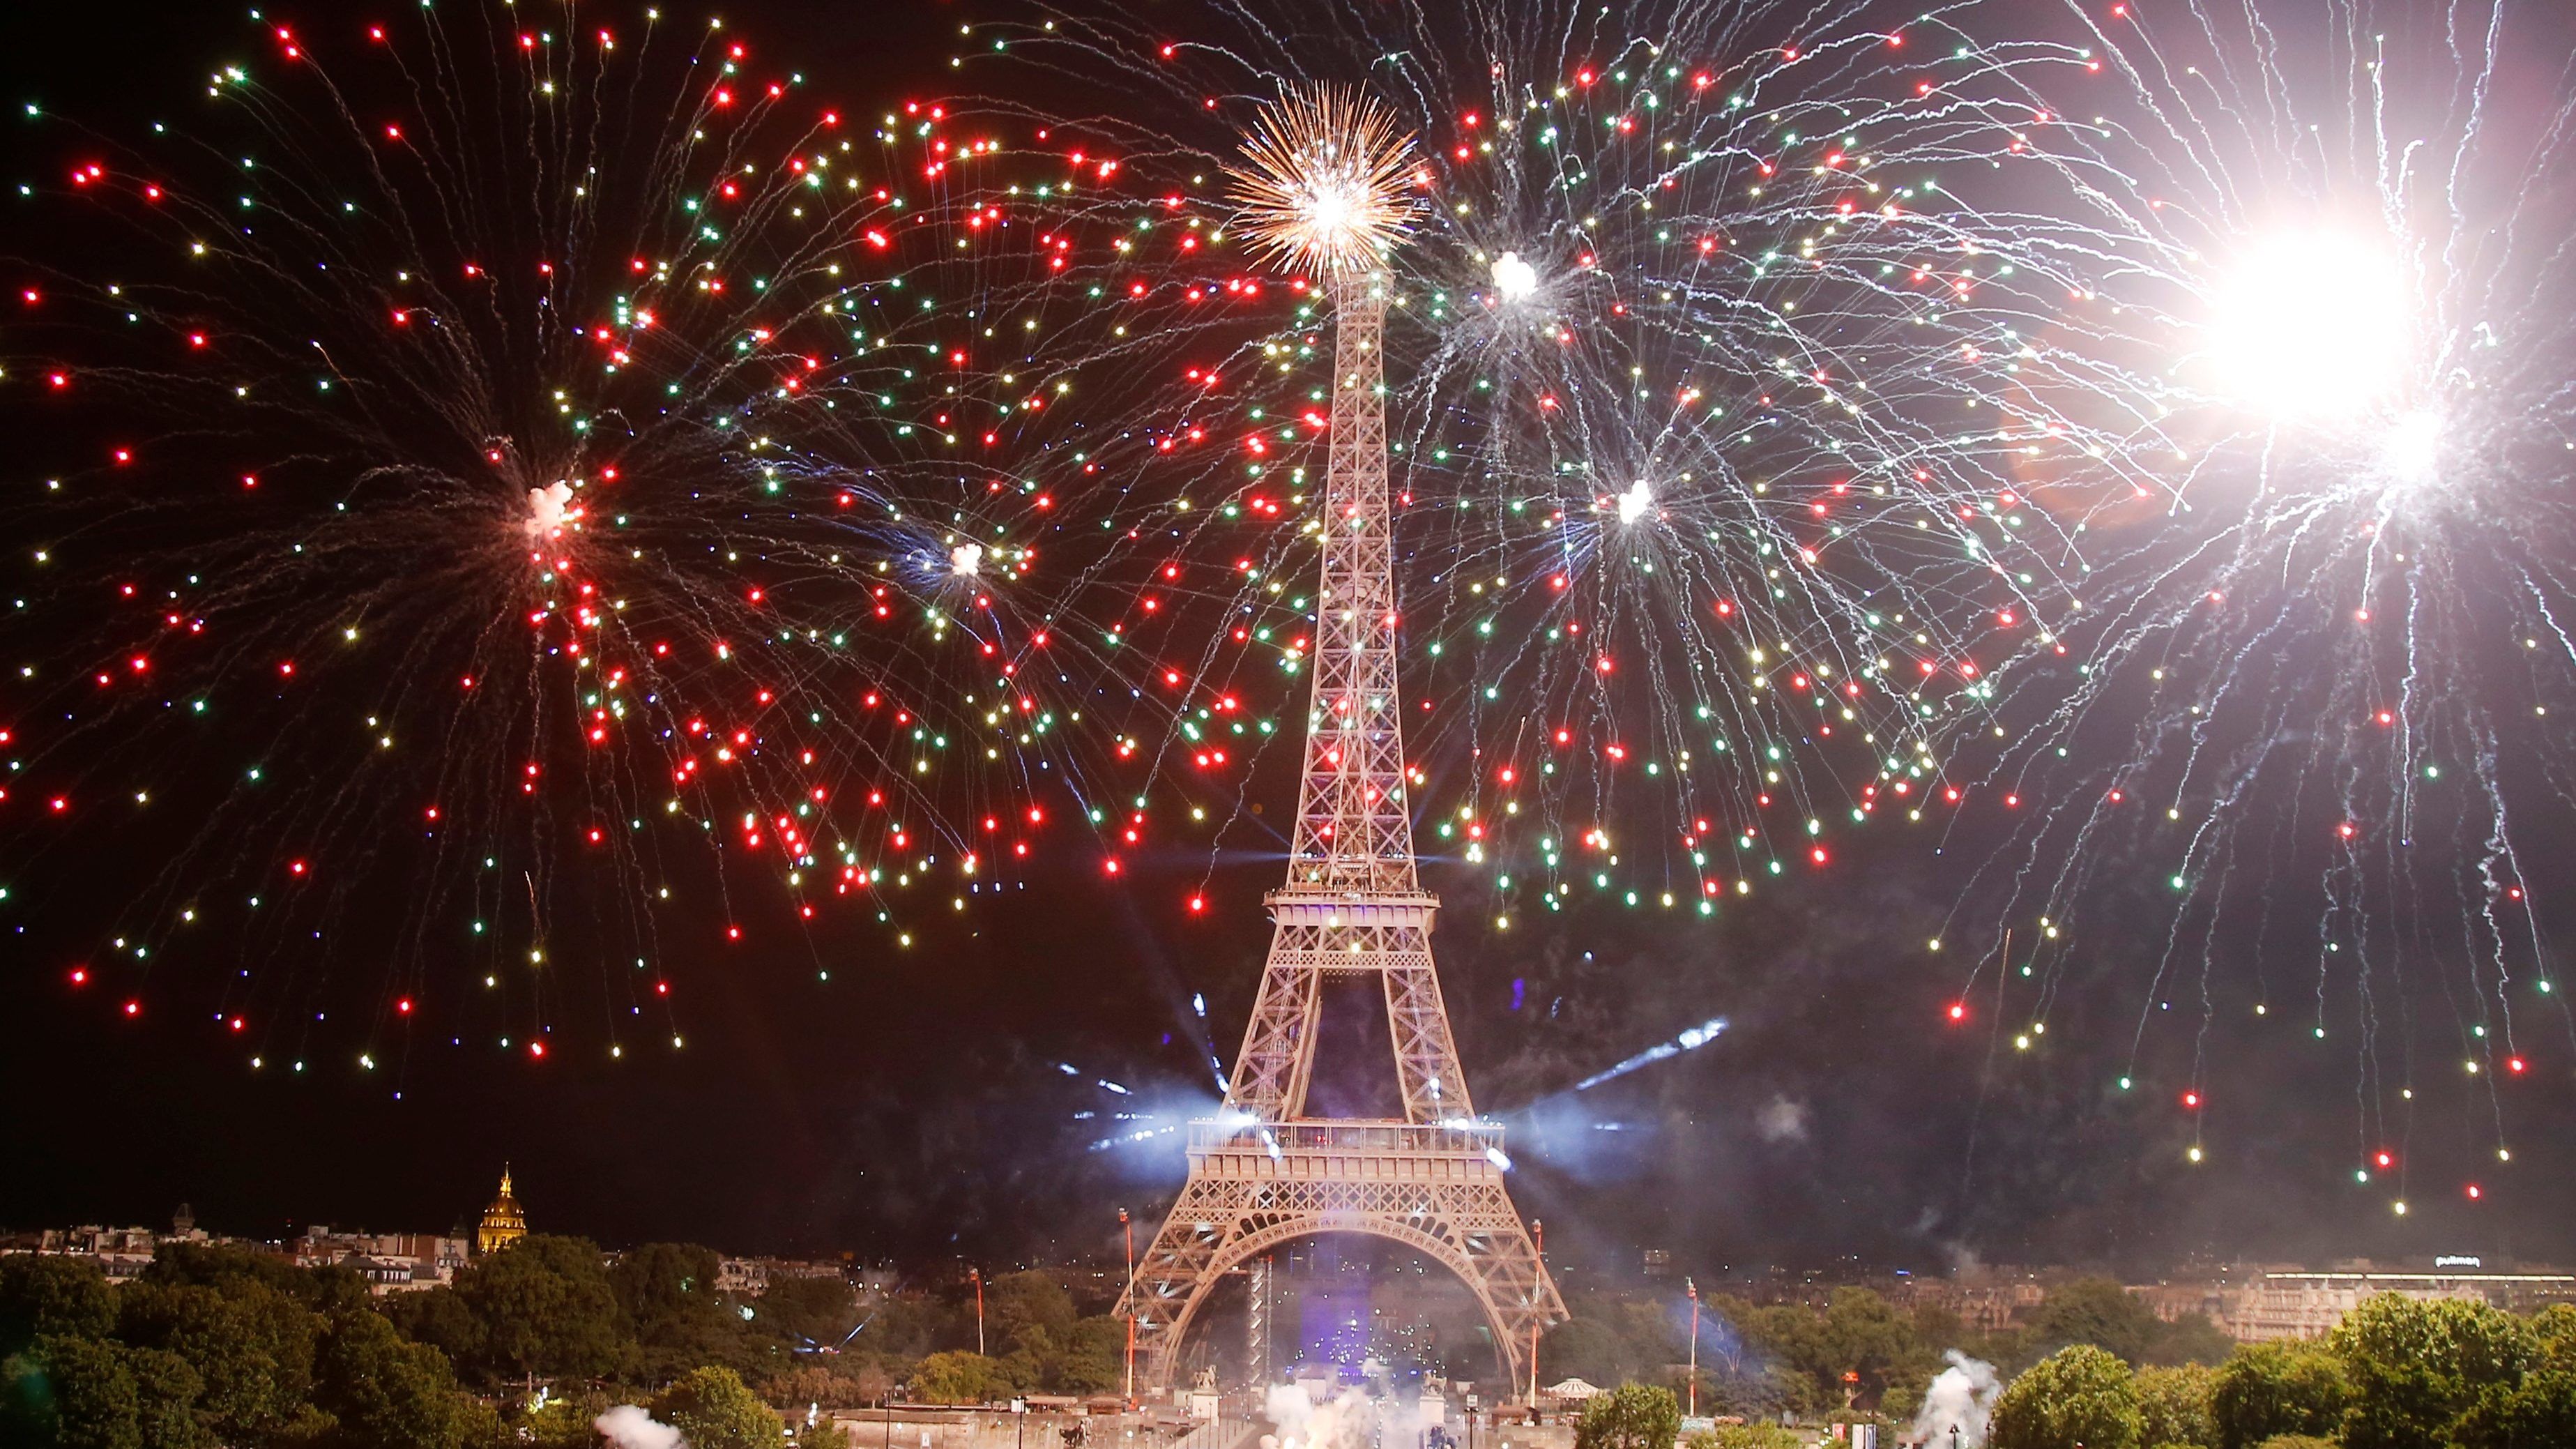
{"x": 503, "y": 1222}
{"x": 751, "y": 1277}
{"x": 390, "y": 1262}
{"x": 2296, "y": 1303}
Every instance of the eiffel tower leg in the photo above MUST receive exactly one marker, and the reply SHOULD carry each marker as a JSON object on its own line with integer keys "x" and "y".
{"x": 1260, "y": 1188}
{"x": 1278, "y": 1060}
{"x": 1426, "y": 1060}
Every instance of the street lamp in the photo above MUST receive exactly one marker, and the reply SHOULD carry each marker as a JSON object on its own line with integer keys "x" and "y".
{"x": 1693, "y": 1290}
{"x": 1128, "y": 1230}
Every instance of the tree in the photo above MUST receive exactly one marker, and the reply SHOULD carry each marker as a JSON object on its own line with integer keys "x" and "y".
{"x": 2269, "y": 1389}
{"x": 1017, "y": 1302}
{"x": 75, "y": 1393}
{"x": 545, "y": 1307}
{"x": 959, "y": 1377}
{"x": 1632, "y": 1416}
{"x": 385, "y": 1393}
{"x": 439, "y": 1318}
{"x": 250, "y": 1344}
{"x": 2173, "y": 1406}
{"x": 2078, "y": 1396}
{"x": 2539, "y": 1413}
{"x": 713, "y": 1409}
{"x": 1094, "y": 1358}
{"x": 2193, "y": 1338}
{"x": 44, "y": 1293}
{"x": 813, "y": 1310}
{"x": 222, "y": 1266}
{"x": 2100, "y": 1312}
{"x": 2416, "y": 1365}
{"x": 1866, "y": 1342}
{"x": 1582, "y": 1348}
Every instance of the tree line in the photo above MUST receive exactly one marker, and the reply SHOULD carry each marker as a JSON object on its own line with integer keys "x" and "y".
{"x": 222, "y": 1345}
{"x": 2093, "y": 1369}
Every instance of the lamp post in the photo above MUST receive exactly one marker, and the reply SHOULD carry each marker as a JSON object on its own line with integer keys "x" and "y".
{"x": 1693, "y": 1290}
{"x": 1538, "y": 1245}
{"x": 1127, "y": 1229}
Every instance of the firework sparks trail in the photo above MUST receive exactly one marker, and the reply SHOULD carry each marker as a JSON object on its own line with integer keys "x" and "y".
{"x": 1696, "y": 556}
{"x": 508, "y": 504}
{"x": 2315, "y": 615}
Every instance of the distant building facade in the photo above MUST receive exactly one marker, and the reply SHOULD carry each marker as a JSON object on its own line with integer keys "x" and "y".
{"x": 390, "y": 1262}
{"x": 2275, "y": 1304}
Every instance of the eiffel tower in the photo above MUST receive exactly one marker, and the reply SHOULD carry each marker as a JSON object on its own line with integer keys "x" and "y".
{"x": 1264, "y": 1172}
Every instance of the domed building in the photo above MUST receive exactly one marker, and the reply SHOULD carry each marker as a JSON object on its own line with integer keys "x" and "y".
{"x": 503, "y": 1222}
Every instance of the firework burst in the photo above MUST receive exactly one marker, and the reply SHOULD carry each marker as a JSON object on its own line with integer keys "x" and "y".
{"x": 1323, "y": 184}
{"x": 502, "y": 533}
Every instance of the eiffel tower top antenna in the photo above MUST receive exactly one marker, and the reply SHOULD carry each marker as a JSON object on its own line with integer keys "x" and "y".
{"x": 1323, "y": 184}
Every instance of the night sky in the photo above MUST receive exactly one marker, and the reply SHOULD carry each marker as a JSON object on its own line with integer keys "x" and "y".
{"x": 947, "y": 1101}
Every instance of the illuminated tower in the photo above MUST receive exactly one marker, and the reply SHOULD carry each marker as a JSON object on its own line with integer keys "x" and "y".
{"x": 1323, "y": 187}
{"x": 503, "y": 1223}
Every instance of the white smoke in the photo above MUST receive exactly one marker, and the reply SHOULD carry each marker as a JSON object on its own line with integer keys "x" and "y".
{"x": 546, "y": 509}
{"x": 1959, "y": 1402}
{"x": 1342, "y": 1423}
{"x": 1782, "y": 1120}
{"x": 628, "y": 1427}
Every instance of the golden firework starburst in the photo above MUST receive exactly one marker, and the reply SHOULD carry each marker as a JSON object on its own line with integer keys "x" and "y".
{"x": 1322, "y": 183}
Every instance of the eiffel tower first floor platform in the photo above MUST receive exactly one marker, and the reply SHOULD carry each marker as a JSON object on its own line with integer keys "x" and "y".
{"x": 1256, "y": 1185}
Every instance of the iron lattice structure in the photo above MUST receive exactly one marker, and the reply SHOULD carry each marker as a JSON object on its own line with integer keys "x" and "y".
{"x": 1265, "y": 1173}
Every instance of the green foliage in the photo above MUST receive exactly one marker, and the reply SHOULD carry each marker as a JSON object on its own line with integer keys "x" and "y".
{"x": 2079, "y": 1396}
{"x": 2100, "y": 1312}
{"x": 384, "y": 1393}
{"x": 546, "y": 1309}
{"x": 1583, "y": 1348}
{"x": 713, "y": 1409}
{"x": 1747, "y": 1436}
{"x": 2270, "y": 1389}
{"x": 250, "y": 1343}
{"x": 2193, "y": 1338}
{"x": 811, "y": 1310}
{"x": 2298, "y": 1441}
{"x": 2538, "y": 1413}
{"x": 2174, "y": 1406}
{"x": 959, "y": 1377}
{"x": 47, "y": 1294}
{"x": 1632, "y": 1416}
{"x": 2415, "y": 1366}
{"x": 563, "y": 1421}
{"x": 75, "y": 1393}
{"x": 1018, "y": 1302}
{"x": 438, "y": 1317}
{"x": 667, "y": 1292}
{"x": 223, "y": 1266}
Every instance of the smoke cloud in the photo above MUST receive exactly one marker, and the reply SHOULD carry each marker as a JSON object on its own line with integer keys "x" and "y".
{"x": 1782, "y": 1119}
{"x": 1343, "y": 1422}
{"x": 1958, "y": 1404}
{"x": 629, "y": 1427}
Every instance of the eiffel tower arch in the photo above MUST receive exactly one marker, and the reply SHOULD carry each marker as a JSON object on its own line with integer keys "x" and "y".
{"x": 1263, "y": 1171}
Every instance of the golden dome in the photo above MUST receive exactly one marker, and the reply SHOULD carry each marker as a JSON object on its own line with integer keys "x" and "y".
{"x": 503, "y": 1222}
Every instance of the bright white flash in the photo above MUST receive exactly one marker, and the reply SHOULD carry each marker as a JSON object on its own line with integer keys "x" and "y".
{"x": 546, "y": 509}
{"x": 2312, "y": 326}
{"x": 966, "y": 560}
{"x": 1637, "y": 501}
{"x": 2413, "y": 447}
{"x": 1514, "y": 279}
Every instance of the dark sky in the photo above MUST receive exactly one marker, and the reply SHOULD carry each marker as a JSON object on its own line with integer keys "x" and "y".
{"x": 917, "y": 1107}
